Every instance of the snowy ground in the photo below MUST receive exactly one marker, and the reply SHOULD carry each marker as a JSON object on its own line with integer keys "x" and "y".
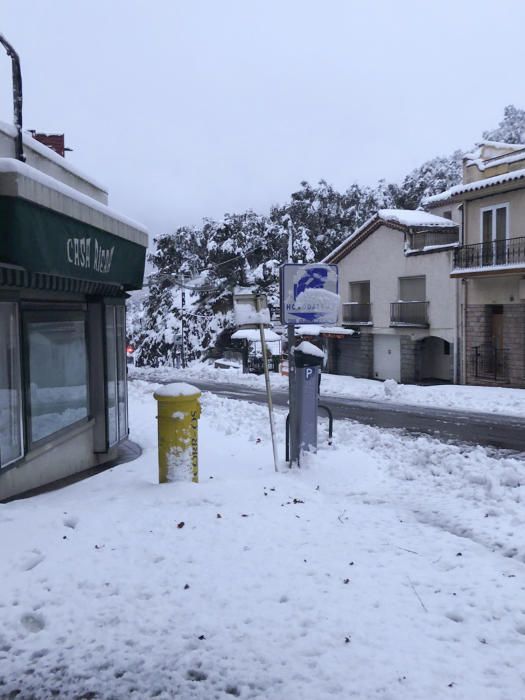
{"x": 499, "y": 400}
{"x": 389, "y": 567}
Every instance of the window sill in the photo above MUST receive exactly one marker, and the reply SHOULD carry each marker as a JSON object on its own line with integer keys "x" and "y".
{"x": 58, "y": 438}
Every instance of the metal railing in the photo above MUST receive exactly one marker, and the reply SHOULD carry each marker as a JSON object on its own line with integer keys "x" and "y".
{"x": 426, "y": 239}
{"x": 354, "y": 312}
{"x": 510, "y": 251}
{"x": 409, "y": 313}
{"x": 491, "y": 362}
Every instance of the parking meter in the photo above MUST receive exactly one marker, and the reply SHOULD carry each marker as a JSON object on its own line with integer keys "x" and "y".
{"x": 308, "y": 369}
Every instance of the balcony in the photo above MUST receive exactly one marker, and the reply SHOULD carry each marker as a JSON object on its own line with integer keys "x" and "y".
{"x": 409, "y": 313}
{"x": 355, "y": 313}
{"x": 494, "y": 255}
{"x": 423, "y": 241}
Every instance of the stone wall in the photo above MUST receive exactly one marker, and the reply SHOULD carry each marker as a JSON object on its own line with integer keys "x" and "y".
{"x": 511, "y": 368}
{"x": 514, "y": 341}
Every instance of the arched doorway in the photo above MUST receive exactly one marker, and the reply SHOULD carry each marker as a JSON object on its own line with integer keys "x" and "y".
{"x": 436, "y": 359}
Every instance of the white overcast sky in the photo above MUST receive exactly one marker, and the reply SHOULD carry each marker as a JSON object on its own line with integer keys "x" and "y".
{"x": 186, "y": 109}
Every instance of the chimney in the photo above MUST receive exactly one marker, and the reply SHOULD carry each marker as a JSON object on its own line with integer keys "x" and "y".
{"x": 53, "y": 141}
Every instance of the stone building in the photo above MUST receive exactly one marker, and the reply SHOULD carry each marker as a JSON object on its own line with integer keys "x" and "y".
{"x": 489, "y": 208}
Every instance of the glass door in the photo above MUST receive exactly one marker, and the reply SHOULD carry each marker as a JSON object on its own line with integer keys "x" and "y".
{"x": 116, "y": 387}
{"x": 11, "y": 446}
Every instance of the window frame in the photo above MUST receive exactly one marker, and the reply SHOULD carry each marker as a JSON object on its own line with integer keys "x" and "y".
{"x": 112, "y": 306}
{"x": 360, "y": 282}
{"x": 493, "y": 208}
{"x": 42, "y": 312}
{"x": 14, "y": 299}
{"x": 411, "y": 277}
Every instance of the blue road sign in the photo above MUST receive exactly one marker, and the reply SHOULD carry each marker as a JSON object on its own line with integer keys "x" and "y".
{"x": 309, "y": 293}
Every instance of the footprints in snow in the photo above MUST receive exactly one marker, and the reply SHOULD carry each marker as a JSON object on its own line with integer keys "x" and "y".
{"x": 196, "y": 674}
{"x": 33, "y": 622}
{"x": 70, "y": 521}
{"x": 31, "y": 560}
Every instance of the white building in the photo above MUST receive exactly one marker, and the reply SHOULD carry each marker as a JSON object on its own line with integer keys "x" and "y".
{"x": 396, "y": 290}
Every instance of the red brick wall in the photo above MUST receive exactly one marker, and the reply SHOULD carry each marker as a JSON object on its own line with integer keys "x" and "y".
{"x": 53, "y": 141}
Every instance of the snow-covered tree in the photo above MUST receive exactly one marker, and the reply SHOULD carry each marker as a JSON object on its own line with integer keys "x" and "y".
{"x": 434, "y": 176}
{"x": 248, "y": 248}
{"x": 511, "y": 128}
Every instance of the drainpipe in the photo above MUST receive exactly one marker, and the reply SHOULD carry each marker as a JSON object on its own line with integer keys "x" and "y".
{"x": 462, "y": 311}
{"x": 17, "y": 96}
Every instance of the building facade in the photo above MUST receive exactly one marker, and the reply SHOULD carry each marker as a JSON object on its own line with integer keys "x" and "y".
{"x": 489, "y": 265}
{"x": 397, "y": 294}
{"x": 66, "y": 264}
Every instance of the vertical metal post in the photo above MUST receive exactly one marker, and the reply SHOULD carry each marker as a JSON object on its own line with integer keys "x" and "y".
{"x": 292, "y": 376}
{"x": 292, "y": 399}
{"x": 268, "y": 387}
{"x": 17, "y": 96}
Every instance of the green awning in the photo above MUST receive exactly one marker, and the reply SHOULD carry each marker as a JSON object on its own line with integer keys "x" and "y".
{"x": 42, "y": 240}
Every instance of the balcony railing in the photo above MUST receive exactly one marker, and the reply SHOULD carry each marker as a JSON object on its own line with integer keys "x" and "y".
{"x": 409, "y": 313}
{"x": 494, "y": 253}
{"x": 430, "y": 239}
{"x": 490, "y": 362}
{"x": 357, "y": 313}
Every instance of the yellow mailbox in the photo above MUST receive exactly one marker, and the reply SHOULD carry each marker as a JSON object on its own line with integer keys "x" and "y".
{"x": 178, "y": 416}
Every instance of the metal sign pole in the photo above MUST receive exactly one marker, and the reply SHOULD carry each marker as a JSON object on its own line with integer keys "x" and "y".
{"x": 268, "y": 387}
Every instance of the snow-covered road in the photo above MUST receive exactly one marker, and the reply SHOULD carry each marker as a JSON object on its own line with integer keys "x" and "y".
{"x": 388, "y": 567}
{"x": 497, "y": 400}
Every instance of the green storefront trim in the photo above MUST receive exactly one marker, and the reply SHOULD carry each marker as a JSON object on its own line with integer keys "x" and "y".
{"x": 44, "y": 241}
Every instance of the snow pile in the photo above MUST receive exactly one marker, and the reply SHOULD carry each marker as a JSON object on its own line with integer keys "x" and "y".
{"x": 313, "y": 329}
{"x": 498, "y": 400}
{"x": 390, "y": 567}
{"x": 254, "y": 335}
{"x": 309, "y": 349}
{"x": 246, "y": 315}
{"x": 177, "y": 389}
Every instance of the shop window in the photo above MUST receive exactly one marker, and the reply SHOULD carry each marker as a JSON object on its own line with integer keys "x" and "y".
{"x": 11, "y": 444}
{"x": 57, "y": 365}
{"x": 117, "y": 410}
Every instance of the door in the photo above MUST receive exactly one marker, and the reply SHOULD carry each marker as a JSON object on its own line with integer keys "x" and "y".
{"x": 116, "y": 389}
{"x": 387, "y": 357}
{"x": 496, "y": 327}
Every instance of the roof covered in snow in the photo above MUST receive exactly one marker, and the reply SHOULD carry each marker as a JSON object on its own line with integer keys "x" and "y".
{"x": 474, "y": 186}
{"x": 48, "y": 154}
{"x": 311, "y": 330}
{"x": 399, "y": 219}
{"x": 416, "y": 218}
{"x": 18, "y": 179}
{"x": 255, "y": 335}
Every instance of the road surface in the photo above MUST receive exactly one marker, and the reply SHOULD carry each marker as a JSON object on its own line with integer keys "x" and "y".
{"x": 491, "y": 430}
